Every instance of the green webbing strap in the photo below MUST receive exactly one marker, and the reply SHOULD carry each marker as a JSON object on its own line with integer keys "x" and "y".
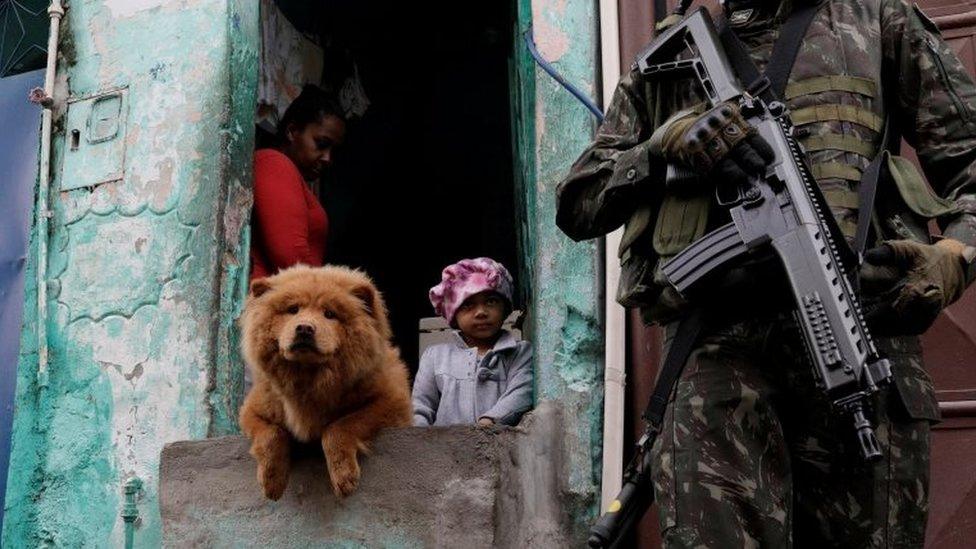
{"x": 635, "y": 226}
{"x": 841, "y": 198}
{"x": 667, "y": 22}
{"x": 844, "y": 83}
{"x": 849, "y": 228}
{"x": 835, "y": 170}
{"x": 846, "y": 113}
{"x": 915, "y": 191}
{"x": 838, "y": 142}
{"x": 681, "y": 221}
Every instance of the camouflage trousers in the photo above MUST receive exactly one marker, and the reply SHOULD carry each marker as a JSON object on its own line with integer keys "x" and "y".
{"x": 751, "y": 455}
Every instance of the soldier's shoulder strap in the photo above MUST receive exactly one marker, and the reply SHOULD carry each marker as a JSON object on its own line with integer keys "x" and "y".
{"x": 787, "y": 46}
{"x": 771, "y": 84}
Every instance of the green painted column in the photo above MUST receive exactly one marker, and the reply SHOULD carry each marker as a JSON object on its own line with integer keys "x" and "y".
{"x": 565, "y": 321}
{"x": 145, "y": 271}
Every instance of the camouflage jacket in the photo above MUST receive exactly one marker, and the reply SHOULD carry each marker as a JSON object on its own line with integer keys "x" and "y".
{"x": 860, "y": 63}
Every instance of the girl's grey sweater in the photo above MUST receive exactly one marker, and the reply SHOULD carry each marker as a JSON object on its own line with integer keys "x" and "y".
{"x": 454, "y": 387}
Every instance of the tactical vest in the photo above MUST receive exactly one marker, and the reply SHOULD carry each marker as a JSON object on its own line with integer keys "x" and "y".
{"x": 836, "y": 97}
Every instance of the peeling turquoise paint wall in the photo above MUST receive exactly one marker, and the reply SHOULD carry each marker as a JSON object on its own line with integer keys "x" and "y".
{"x": 566, "y": 312}
{"x": 237, "y": 144}
{"x": 145, "y": 274}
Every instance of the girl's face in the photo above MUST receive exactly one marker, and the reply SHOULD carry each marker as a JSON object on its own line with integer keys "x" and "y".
{"x": 480, "y": 317}
{"x": 311, "y": 147}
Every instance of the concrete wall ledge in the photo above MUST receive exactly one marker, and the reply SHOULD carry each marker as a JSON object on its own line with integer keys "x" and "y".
{"x": 421, "y": 487}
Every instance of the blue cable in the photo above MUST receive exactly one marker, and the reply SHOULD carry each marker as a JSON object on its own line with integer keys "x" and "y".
{"x": 546, "y": 66}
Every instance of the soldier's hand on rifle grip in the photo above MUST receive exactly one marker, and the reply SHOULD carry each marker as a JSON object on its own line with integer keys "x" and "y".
{"x": 717, "y": 143}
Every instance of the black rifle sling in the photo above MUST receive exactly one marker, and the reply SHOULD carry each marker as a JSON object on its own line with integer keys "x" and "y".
{"x": 660, "y": 11}
{"x": 868, "y": 186}
{"x": 754, "y": 82}
{"x": 787, "y": 46}
{"x": 866, "y": 191}
{"x": 681, "y": 346}
{"x": 771, "y": 84}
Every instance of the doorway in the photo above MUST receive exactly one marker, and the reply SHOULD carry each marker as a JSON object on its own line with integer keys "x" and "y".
{"x": 426, "y": 175}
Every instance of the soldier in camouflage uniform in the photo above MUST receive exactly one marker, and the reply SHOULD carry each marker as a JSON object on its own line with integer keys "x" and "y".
{"x": 751, "y": 453}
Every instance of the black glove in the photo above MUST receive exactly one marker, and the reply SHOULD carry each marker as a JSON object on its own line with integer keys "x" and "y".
{"x": 719, "y": 144}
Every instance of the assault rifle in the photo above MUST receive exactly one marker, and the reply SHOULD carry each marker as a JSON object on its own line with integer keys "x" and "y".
{"x": 784, "y": 213}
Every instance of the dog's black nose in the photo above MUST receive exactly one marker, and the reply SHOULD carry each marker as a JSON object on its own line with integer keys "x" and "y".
{"x": 304, "y": 330}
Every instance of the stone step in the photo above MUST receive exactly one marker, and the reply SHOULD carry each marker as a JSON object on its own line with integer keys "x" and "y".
{"x": 421, "y": 487}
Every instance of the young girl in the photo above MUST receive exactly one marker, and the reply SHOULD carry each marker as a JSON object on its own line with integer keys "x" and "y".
{"x": 484, "y": 375}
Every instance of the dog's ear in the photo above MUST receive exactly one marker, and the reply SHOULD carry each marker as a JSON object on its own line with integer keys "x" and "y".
{"x": 259, "y": 286}
{"x": 367, "y": 295}
{"x": 373, "y": 303}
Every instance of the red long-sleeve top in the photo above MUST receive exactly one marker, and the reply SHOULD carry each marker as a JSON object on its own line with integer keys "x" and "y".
{"x": 289, "y": 225}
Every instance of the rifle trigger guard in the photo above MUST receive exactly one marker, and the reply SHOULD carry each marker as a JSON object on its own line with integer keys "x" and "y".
{"x": 747, "y": 195}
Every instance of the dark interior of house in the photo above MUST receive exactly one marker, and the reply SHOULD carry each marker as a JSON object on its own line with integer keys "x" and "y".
{"x": 425, "y": 177}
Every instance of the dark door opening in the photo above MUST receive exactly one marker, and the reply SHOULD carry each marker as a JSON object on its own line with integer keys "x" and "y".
{"x": 425, "y": 177}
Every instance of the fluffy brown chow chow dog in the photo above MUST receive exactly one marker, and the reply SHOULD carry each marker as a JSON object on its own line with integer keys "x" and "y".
{"x": 318, "y": 343}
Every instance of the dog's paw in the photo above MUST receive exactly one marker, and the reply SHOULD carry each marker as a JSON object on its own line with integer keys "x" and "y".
{"x": 273, "y": 479}
{"x": 344, "y": 475}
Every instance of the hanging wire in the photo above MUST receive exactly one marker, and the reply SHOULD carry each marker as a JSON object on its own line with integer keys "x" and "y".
{"x": 679, "y": 10}
{"x": 547, "y": 66}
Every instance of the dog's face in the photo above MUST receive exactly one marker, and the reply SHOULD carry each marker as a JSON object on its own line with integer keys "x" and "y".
{"x": 305, "y": 324}
{"x": 313, "y": 317}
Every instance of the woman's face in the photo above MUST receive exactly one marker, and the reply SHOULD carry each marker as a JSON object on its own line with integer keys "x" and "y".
{"x": 311, "y": 147}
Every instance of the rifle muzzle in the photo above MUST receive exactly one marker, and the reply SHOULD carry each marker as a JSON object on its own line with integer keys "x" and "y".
{"x": 635, "y": 497}
{"x": 608, "y": 527}
{"x": 870, "y": 449}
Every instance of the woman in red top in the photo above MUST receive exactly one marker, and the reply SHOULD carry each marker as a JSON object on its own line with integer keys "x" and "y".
{"x": 289, "y": 225}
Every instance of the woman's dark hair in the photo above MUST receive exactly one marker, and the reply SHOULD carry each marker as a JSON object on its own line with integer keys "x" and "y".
{"x": 311, "y": 105}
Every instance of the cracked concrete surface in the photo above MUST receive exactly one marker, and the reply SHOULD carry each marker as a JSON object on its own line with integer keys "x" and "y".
{"x": 421, "y": 487}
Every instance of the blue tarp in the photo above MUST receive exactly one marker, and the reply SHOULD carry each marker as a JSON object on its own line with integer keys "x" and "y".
{"x": 20, "y": 124}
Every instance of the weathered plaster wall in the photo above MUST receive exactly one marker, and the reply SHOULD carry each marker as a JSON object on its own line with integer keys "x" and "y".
{"x": 143, "y": 273}
{"x": 146, "y": 273}
{"x": 565, "y": 323}
{"x": 236, "y": 146}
